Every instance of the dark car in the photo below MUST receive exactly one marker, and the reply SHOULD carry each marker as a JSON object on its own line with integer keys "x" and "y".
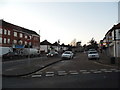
{"x": 10, "y": 55}
{"x": 52, "y": 53}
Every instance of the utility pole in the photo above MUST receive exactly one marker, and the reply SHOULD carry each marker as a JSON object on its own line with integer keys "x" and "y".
{"x": 39, "y": 42}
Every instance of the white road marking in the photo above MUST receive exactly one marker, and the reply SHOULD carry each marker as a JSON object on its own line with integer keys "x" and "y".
{"x": 49, "y": 72}
{"x": 93, "y": 70}
{"x": 103, "y": 69}
{"x": 35, "y": 76}
{"x": 83, "y": 70}
{"x": 73, "y": 72}
{"x": 97, "y": 72}
{"x": 49, "y": 75}
{"x": 62, "y": 73}
{"x": 107, "y": 71}
{"x": 38, "y": 72}
{"x": 86, "y": 72}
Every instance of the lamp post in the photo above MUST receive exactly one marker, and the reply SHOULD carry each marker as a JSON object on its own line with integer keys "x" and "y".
{"x": 28, "y": 50}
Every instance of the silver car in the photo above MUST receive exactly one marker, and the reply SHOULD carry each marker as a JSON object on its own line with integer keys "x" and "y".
{"x": 67, "y": 55}
{"x": 93, "y": 55}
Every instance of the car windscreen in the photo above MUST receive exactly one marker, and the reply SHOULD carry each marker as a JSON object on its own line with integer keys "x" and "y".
{"x": 92, "y": 52}
{"x": 67, "y": 53}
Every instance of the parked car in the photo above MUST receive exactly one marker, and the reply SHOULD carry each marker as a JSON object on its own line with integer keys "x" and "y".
{"x": 93, "y": 55}
{"x": 10, "y": 55}
{"x": 91, "y": 50}
{"x": 67, "y": 55}
{"x": 52, "y": 53}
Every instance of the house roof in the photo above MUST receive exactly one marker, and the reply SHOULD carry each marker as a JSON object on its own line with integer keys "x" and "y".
{"x": 9, "y": 25}
{"x": 113, "y": 28}
{"x": 45, "y": 42}
{"x": 55, "y": 44}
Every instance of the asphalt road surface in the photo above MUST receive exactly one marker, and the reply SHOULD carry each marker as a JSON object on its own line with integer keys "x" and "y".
{"x": 78, "y": 72}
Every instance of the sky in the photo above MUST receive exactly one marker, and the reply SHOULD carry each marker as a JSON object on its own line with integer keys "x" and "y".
{"x": 62, "y": 20}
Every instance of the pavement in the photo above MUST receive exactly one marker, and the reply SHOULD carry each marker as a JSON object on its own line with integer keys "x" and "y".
{"x": 20, "y": 68}
{"x": 26, "y": 68}
{"x": 106, "y": 60}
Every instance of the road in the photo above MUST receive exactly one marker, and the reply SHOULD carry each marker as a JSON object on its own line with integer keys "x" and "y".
{"x": 78, "y": 72}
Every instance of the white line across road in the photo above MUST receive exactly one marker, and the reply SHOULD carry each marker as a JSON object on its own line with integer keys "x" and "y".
{"x": 62, "y": 73}
{"x": 49, "y": 75}
{"x": 107, "y": 71}
{"x": 36, "y": 76}
{"x": 97, "y": 72}
{"x": 83, "y": 70}
{"x": 74, "y": 72}
{"x": 86, "y": 72}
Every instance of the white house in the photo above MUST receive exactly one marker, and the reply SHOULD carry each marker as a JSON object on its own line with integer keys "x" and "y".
{"x": 45, "y": 46}
{"x": 112, "y": 41}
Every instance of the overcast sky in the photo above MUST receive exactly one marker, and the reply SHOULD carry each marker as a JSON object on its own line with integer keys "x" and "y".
{"x": 62, "y": 20}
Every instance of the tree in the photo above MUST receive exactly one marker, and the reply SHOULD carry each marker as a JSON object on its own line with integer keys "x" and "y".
{"x": 92, "y": 44}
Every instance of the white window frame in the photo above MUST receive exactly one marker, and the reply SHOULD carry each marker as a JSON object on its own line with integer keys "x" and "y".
{"x": 1, "y": 31}
{"x": 8, "y": 32}
{"x": 5, "y": 40}
{"x": 21, "y": 35}
{"x": 5, "y": 32}
{"x": 26, "y": 36}
{"x": 25, "y": 42}
{"x": 14, "y": 41}
{"x": 8, "y": 41}
{"x": 30, "y": 37}
{"x": 0, "y": 40}
{"x": 15, "y": 34}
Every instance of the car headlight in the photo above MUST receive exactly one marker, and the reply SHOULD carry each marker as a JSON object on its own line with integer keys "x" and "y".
{"x": 51, "y": 54}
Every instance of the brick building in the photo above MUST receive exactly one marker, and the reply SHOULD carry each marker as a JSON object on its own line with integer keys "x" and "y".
{"x": 13, "y": 37}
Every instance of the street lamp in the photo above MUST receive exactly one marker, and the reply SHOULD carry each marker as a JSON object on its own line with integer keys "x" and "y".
{"x": 28, "y": 50}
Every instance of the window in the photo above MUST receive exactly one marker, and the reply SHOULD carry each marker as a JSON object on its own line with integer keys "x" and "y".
{"x": 30, "y": 37}
{"x": 21, "y": 35}
{"x": 8, "y": 32}
{"x": 25, "y": 43}
{"x": 15, "y": 34}
{"x": 1, "y": 31}
{"x": 0, "y": 40}
{"x": 15, "y": 41}
{"x": 5, "y": 31}
{"x": 8, "y": 40}
{"x": 20, "y": 42}
{"x": 30, "y": 43}
{"x": 5, "y": 40}
{"x": 25, "y": 36}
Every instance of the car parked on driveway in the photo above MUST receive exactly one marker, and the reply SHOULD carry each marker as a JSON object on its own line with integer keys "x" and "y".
{"x": 93, "y": 55}
{"x": 67, "y": 55}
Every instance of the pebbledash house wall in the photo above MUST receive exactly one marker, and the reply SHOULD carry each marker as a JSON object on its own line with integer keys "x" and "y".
{"x": 113, "y": 47}
{"x": 11, "y": 35}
